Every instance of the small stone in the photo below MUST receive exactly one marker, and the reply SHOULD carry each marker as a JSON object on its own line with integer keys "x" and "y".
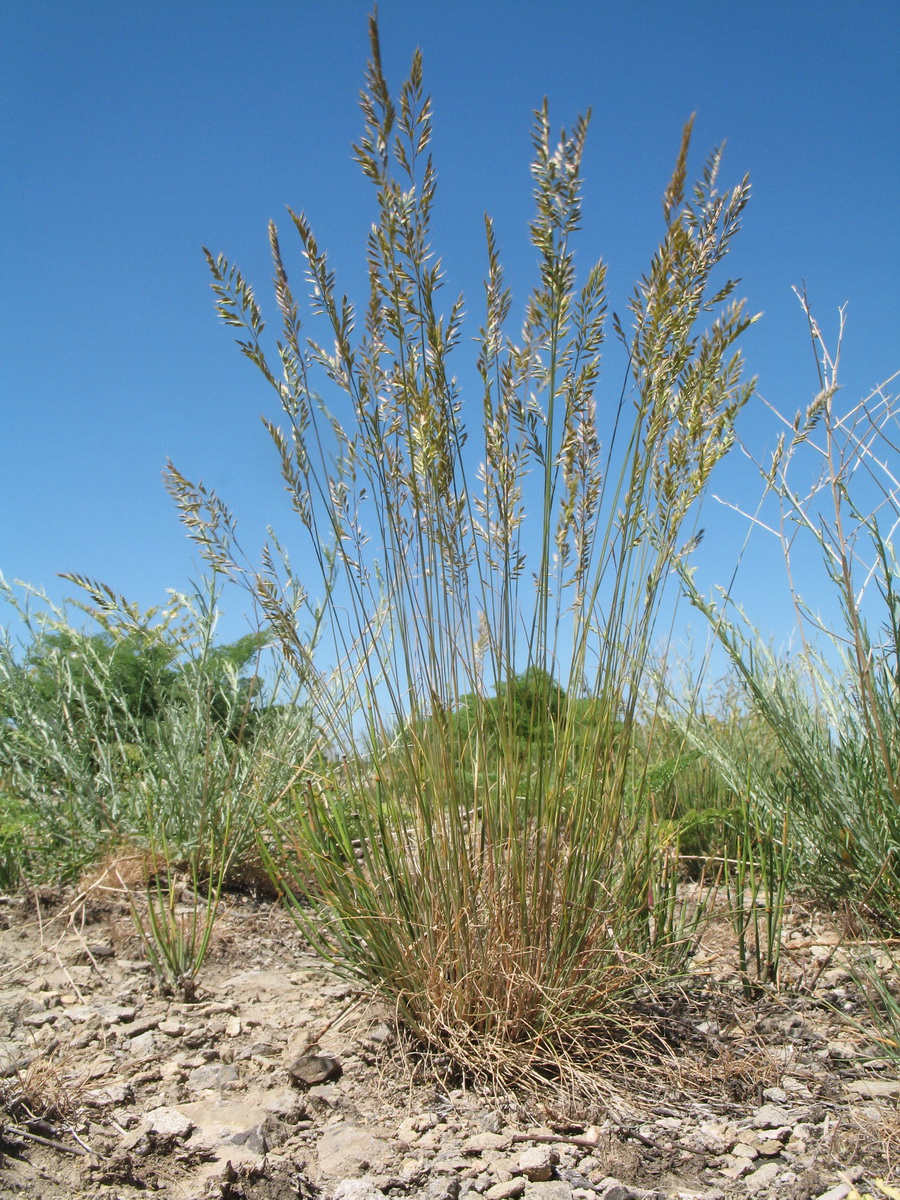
{"x": 213, "y": 1076}
{"x": 357, "y": 1189}
{"x": 113, "y": 1093}
{"x": 345, "y": 1151}
{"x": 710, "y": 1137}
{"x": 763, "y": 1176}
{"x": 776, "y": 1095}
{"x": 478, "y": 1143}
{"x": 769, "y": 1147}
{"x": 168, "y": 1123}
{"x": 220, "y": 1123}
{"x": 283, "y": 1103}
{"x": 442, "y": 1187}
{"x": 172, "y": 1029}
{"x": 312, "y": 1069}
{"x": 233, "y": 1027}
{"x": 257, "y": 1050}
{"x": 838, "y": 1192}
{"x": 555, "y": 1189}
{"x": 875, "y": 1089}
{"x": 142, "y": 1025}
{"x": 116, "y": 1014}
{"x": 537, "y": 1163}
{"x": 771, "y": 1115}
{"x": 743, "y": 1150}
{"x": 611, "y": 1188}
{"x": 507, "y": 1190}
{"x": 491, "y": 1123}
{"x": 35, "y": 1020}
{"x": 143, "y": 1045}
{"x": 736, "y": 1167}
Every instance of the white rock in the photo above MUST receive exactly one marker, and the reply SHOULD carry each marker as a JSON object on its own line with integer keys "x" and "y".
{"x": 554, "y": 1189}
{"x": 771, "y": 1116}
{"x": 507, "y": 1190}
{"x": 875, "y": 1089}
{"x": 357, "y": 1189}
{"x": 836, "y": 1193}
{"x": 168, "y": 1122}
{"x": 763, "y": 1176}
{"x": 346, "y": 1151}
{"x": 537, "y": 1163}
{"x": 479, "y": 1142}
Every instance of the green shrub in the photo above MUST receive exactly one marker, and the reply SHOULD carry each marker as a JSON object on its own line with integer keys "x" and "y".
{"x": 135, "y": 730}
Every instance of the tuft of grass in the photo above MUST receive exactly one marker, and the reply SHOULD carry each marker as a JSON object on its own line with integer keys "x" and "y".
{"x": 481, "y": 588}
{"x": 831, "y": 709}
{"x": 876, "y": 972}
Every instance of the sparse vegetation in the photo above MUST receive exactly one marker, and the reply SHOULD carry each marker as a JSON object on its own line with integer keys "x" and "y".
{"x": 478, "y": 795}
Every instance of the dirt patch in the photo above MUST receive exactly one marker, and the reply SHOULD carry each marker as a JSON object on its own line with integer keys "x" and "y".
{"x": 112, "y": 1091}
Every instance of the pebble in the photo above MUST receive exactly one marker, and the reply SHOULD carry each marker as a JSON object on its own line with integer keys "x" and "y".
{"x": 143, "y": 1045}
{"x": 479, "y": 1142}
{"x": 875, "y": 1089}
{"x": 839, "y": 1192}
{"x": 312, "y": 1069}
{"x": 554, "y": 1189}
{"x": 116, "y": 1014}
{"x": 213, "y": 1076}
{"x": 167, "y": 1123}
{"x": 771, "y": 1115}
{"x": 357, "y": 1189}
{"x": 763, "y": 1176}
{"x": 346, "y": 1150}
{"x": 45, "y": 1017}
{"x": 537, "y": 1163}
{"x": 506, "y": 1190}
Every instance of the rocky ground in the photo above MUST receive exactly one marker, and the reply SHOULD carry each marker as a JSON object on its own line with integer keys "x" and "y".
{"x": 281, "y": 1081}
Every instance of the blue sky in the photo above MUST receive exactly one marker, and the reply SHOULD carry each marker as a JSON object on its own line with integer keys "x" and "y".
{"x": 133, "y": 134}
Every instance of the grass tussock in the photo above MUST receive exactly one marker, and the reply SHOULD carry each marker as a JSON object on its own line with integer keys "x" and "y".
{"x": 828, "y": 773}
{"x": 491, "y": 864}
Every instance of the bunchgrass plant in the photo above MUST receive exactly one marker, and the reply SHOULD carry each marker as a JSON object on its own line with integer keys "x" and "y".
{"x": 758, "y": 866}
{"x": 489, "y": 864}
{"x": 832, "y": 707}
{"x": 874, "y": 965}
{"x": 176, "y": 922}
